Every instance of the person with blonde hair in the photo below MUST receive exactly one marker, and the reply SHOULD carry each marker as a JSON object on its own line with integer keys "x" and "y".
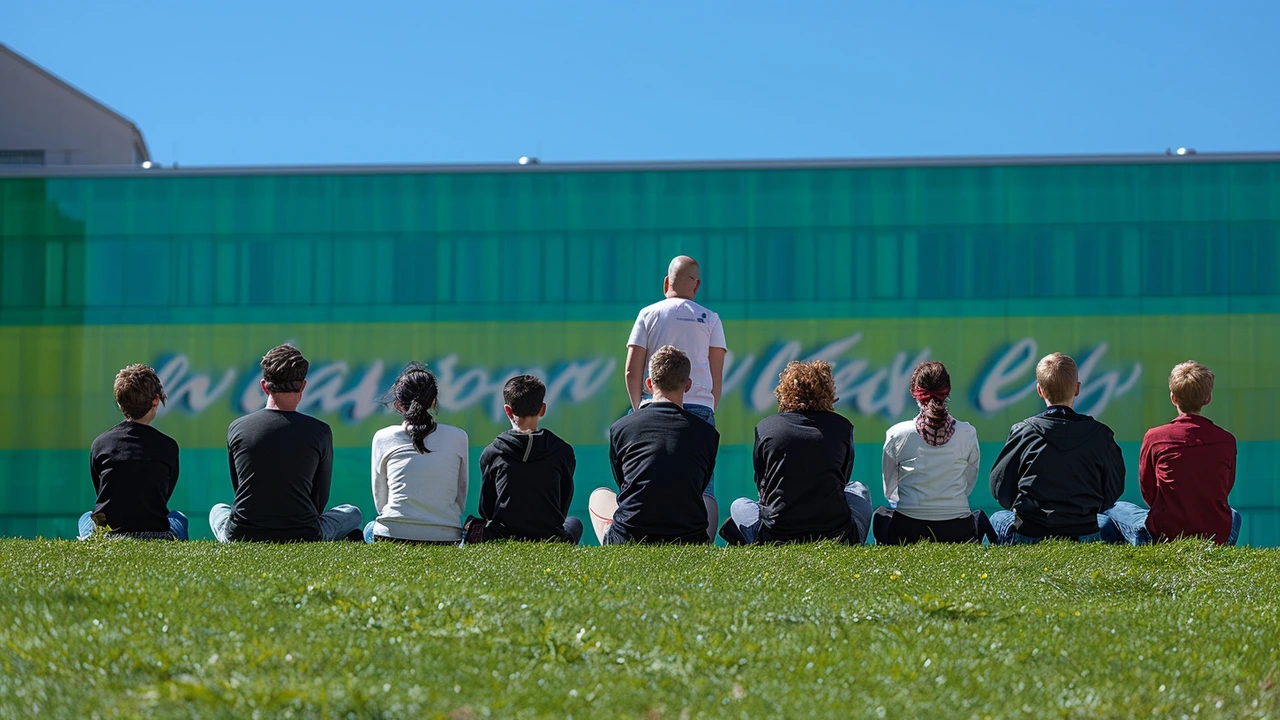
{"x": 930, "y": 465}
{"x": 1186, "y": 470}
{"x": 662, "y": 457}
{"x": 1058, "y": 470}
{"x": 803, "y": 459}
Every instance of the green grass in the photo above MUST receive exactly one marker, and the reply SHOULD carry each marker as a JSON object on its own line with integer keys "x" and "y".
{"x": 124, "y": 628}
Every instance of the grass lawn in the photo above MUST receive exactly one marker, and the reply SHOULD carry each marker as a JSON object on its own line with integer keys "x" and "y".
{"x": 125, "y": 628}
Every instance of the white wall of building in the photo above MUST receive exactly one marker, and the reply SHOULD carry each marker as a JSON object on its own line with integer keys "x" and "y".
{"x": 40, "y": 112}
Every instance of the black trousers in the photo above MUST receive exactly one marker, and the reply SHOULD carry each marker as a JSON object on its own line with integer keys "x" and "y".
{"x": 894, "y": 528}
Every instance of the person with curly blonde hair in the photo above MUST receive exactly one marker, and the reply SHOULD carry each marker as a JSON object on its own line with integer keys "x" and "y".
{"x": 803, "y": 459}
{"x": 134, "y": 467}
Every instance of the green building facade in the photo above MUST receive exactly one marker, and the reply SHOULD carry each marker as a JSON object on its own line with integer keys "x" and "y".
{"x": 1129, "y": 264}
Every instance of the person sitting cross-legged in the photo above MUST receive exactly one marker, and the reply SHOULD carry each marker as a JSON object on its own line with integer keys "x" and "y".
{"x": 1186, "y": 471}
{"x": 930, "y": 465}
{"x": 134, "y": 467}
{"x": 1058, "y": 470}
{"x": 527, "y": 473}
{"x": 662, "y": 457}
{"x": 803, "y": 458}
{"x": 281, "y": 466}
{"x": 419, "y": 468}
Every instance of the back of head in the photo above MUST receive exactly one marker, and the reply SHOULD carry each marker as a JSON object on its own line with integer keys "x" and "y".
{"x": 669, "y": 369}
{"x": 931, "y": 386}
{"x": 284, "y": 369}
{"x": 136, "y": 388}
{"x": 525, "y": 395}
{"x": 683, "y": 276}
{"x": 1057, "y": 376}
{"x": 414, "y": 394}
{"x": 1191, "y": 385}
{"x": 806, "y": 387}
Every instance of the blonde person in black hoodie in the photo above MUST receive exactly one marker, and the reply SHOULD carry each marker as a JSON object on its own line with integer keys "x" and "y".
{"x": 527, "y": 475}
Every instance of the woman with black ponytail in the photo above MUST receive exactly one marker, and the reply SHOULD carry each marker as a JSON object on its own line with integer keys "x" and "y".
{"x": 930, "y": 466}
{"x": 419, "y": 468}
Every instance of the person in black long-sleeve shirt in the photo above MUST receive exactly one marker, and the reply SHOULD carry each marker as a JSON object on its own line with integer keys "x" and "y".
{"x": 803, "y": 458}
{"x": 662, "y": 458}
{"x": 527, "y": 475}
{"x": 134, "y": 467}
{"x": 281, "y": 465}
{"x": 1059, "y": 470}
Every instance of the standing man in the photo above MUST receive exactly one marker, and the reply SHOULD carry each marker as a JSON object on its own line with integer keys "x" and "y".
{"x": 680, "y": 322}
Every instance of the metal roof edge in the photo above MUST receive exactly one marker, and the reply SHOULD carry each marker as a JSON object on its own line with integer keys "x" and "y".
{"x": 655, "y": 166}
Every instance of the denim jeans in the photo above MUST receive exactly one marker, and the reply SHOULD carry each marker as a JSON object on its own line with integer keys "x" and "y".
{"x": 335, "y": 523}
{"x": 178, "y": 525}
{"x": 1129, "y": 524}
{"x": 1003, "y": 520}
{"x": 746, "y": 513}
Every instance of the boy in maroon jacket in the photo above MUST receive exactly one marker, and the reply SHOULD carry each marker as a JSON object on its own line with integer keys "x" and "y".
{"x": 1186, "y": 471}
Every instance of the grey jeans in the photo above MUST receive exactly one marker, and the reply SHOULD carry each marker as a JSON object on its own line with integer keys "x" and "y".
{"x": 335, "y": 524}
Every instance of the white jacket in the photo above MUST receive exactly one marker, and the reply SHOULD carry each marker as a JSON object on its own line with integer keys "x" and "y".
{"x": 927, "y": 482}
{"x": 420, "y": 496}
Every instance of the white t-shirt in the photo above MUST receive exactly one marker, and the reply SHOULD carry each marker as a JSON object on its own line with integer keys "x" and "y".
{"x": 687, "y": 326}
{"x": 927, "y": 482}
{"x": 420, "y": 496}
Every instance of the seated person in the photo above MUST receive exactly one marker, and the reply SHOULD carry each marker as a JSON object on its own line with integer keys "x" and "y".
{"x": 419, "y": 468}
{"x": 526, "y": 475}
{"x": 803, "y": 457}
{"x": 1059, "y": 469}
{"x": 662, "y": 458}
{"x": 134, "y": 467}
{"x": 930, "y": 466}
{"x": 281, "y": 466}
{"x": 1186, "y": 471}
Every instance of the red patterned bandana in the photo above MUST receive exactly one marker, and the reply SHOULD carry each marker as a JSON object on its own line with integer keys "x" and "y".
{"x": 935, "y": 435}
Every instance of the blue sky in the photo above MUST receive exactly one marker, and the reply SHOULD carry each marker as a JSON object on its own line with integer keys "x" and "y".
{"x": 291, "y": 82}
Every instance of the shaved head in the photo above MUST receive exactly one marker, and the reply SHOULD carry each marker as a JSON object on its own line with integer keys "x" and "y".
{"x": 683, "y": 277}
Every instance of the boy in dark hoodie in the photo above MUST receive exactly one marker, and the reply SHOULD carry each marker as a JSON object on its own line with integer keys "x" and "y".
{"x": 1059, "y": 470}
{"x": 527, "y": 475}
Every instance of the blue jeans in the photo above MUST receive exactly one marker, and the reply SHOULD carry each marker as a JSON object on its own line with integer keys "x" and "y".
{"x": 177, "y": 525}
{"x": 746, "y": 513}
{"x": 335, "y": 523}
{"x": 1002, "y": 521}
{"x": 708, "y": 414}
{"x": 1129, "y": 524}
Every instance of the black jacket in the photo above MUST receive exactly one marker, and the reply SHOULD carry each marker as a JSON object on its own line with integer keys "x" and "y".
{"x": 1057, "y": 471}
{"x": 662, "y": 458}
{"x": 802, "y": 463}
{"x": 527, "y": 486}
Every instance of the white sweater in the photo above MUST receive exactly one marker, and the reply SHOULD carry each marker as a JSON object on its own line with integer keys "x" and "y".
{"x": 927, "y": 482}
{"x": 419, "y": 496}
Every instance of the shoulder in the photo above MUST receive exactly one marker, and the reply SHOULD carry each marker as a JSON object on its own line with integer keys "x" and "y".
{"x": 321, "y": 427}
{"x": 488, "y": 454}
{"x": 964, "y": 428}
{"x": 389, "y": 434}
{"x": 904, "y": 428}
{"x": 653, "y": 309}
{"x": 451, "y": 434}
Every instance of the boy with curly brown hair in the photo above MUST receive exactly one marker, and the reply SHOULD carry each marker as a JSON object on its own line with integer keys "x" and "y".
{"x": 134, "y": 467}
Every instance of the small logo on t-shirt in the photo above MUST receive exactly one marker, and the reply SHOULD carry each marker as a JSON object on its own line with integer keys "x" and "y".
{"x": 703, "y": 319}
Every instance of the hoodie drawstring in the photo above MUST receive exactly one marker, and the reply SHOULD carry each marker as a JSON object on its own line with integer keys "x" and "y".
{"x": 528, "y": 448}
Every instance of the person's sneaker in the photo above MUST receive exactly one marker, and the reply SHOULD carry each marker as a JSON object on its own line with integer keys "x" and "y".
{"x": 472, "y": 530}
{"x": 729, "y": 531}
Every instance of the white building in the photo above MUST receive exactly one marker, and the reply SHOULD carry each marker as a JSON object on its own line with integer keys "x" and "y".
{"x": 45, "y": 121}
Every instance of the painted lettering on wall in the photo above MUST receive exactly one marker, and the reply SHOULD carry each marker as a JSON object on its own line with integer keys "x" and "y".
{"x": 355, "y": 392}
